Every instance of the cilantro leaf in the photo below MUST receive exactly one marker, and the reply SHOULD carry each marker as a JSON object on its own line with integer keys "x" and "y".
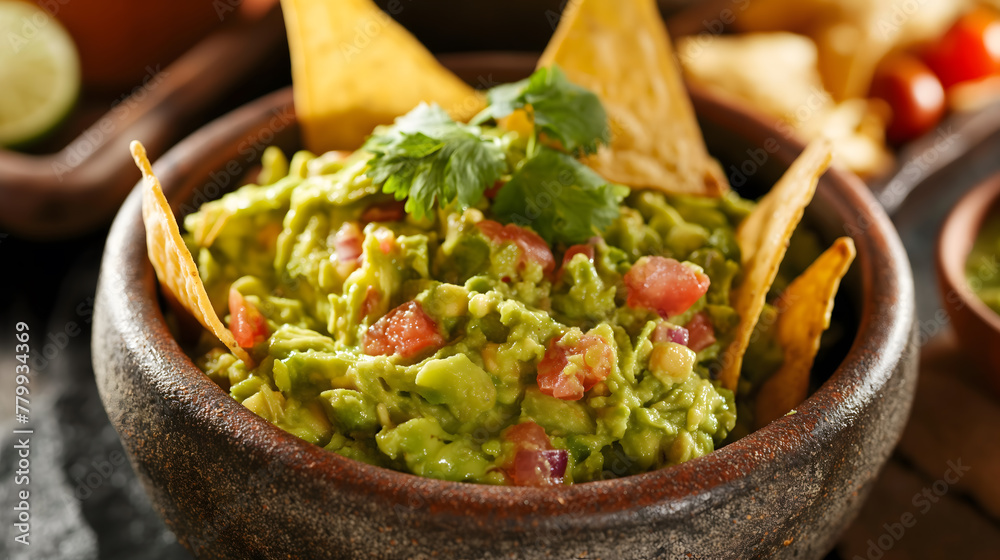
{"x": 559, "y": 197}
{"x": 564, "y": 111}
{"x": 430, "y": 160}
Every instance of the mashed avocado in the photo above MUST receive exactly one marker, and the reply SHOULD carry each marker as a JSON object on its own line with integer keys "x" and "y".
{"x": 981, "y": 266}
{"x": 534, "y": 335}
{"x": 438, "y": 404}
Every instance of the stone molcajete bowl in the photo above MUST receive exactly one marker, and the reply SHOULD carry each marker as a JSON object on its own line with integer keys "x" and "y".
{"x": 231, "y": 485}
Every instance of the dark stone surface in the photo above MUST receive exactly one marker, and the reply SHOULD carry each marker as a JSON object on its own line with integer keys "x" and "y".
{"x": 85, "y": 501}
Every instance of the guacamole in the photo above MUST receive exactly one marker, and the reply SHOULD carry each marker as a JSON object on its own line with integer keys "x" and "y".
{"x": 981, "y": 267}
{"x": 550, "y": 328}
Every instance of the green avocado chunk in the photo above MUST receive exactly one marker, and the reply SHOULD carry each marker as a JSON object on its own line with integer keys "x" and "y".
{"x": 459, "y": 384}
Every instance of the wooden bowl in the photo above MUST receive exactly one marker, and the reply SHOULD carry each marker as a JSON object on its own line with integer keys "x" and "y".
{"x": 231, "y": 485}
{"x": 977, "y": 326}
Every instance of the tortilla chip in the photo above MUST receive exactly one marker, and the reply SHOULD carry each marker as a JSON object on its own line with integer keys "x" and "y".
{"x": 763, "y": 238}
{"x": 852, "y": 35}
{"x": 804, "y": 310}
{"x": 848, "y": 55}
{"x": 621, "y": 52}
{"x": 171, "y": 259}
{"x": 776, "y": 73}
{"x": 355, "y": 68}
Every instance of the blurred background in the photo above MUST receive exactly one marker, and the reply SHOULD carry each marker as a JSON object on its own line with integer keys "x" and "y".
{"x": 908, "y": 88}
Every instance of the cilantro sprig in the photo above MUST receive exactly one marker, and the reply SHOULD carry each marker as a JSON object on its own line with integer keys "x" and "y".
{"x": 432, "y": 161}
{"x": 560, "y": 198}
{"x": 564, "y": 111}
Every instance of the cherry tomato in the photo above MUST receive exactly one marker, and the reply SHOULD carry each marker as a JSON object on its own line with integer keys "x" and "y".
{"x": 533, "y": 247}
{"x": 969, "y": 50}
{"x": 573, "y": 365}
{"x": 664, "y": 285}
{"x": 406, "y": 331}
{"x": 248, "y": 325}
{"x": 914, "y": 93}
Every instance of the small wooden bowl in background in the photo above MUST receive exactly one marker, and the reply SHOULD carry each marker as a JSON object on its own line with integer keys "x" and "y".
{"x": 977, "y": 326}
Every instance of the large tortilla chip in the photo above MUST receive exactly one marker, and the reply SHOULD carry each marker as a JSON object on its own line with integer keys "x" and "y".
{"x": 804, "y": 310}
{"x": 621, "y": 52}
{"x": 171, "y": 259}
{"x": 763, "y": 238}
{"x": 355, "y": 68}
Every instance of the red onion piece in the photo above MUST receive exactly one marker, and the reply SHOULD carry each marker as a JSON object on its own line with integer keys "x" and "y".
{"x": 665, "y": 332}
{"x": 540, "y": 467}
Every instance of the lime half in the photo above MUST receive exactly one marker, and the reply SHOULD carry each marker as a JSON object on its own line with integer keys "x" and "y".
{"x": 39, "y": 73}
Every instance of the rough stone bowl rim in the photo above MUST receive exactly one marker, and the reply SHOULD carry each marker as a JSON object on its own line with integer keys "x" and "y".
{"x": 694, "y": 484}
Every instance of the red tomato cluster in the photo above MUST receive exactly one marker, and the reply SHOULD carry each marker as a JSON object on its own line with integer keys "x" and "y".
{"x": 914, "y": 84}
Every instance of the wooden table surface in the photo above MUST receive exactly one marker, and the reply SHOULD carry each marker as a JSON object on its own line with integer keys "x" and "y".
{"x": 939, "y": 497}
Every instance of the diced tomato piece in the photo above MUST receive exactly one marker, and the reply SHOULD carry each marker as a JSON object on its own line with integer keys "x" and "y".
{"x": 248, "y": 325}
{"x": 664, "y": 285}
{"x": 573, "y": 251}
{"x": 535, "y": 462}
{"x": 347, "y": 243}
{"x": 569, "y": 369}
{"x": 701, "y": 331}
{"x": 391, "y": 211}
{"x": 406, "y": 331}
{"x": 665, "y": 332}
{"x": 492, "y": 230}
{"x": 533, "y": 247}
